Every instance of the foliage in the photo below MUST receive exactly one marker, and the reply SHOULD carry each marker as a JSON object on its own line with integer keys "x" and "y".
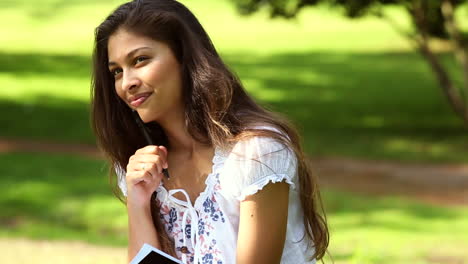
{"x": 429, "y": 18}
{"x": 347, "y": 92}
{"x": 352, "y": 9}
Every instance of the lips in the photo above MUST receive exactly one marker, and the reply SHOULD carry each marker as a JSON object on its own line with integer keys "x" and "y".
{"x": 138, "y": 99}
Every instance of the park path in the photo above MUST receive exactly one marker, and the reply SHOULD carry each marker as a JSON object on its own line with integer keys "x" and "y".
{"x": 439, "y": 184}
{"x": 25, "y": 251}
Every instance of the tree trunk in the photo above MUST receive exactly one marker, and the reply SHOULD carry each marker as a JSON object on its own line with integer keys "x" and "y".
{"x": 460, "y": 50}
{"x": 453, "y": 95}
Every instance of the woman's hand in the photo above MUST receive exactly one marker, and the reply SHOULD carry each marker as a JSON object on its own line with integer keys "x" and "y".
{"x": 144, "y": 174}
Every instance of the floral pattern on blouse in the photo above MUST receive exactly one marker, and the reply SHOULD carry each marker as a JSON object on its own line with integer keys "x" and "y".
{"x": 242, "y": 177}
{"x": 210, "y": 212}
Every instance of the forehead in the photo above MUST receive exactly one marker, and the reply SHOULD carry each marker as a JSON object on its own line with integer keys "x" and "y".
{"x": 122, "y": 42}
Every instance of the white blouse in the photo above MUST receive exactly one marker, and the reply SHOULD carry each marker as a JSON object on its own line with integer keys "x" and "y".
{"x": 206, "y": 232}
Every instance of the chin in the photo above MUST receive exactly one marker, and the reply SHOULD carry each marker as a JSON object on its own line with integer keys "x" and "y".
{"x": 146, "y": 116}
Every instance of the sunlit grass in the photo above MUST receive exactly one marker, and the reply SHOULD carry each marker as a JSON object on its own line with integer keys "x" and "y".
{"x": 32, "y": 88}
{"x": 393, "y": 230}
{"x": 353, "y": 87}
{"x": 60, "y": 197}
{"x": 58, "y": 27}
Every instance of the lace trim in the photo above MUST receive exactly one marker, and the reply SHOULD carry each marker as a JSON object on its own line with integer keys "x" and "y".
{"x": 260, "y": 184}
{"x": 218, "y": 160}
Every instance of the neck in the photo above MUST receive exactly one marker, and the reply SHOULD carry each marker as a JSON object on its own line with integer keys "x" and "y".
{"x": 180, "y": 140}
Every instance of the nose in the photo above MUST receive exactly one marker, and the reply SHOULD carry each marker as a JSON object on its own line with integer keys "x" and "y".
{"x": 130, "y": 80}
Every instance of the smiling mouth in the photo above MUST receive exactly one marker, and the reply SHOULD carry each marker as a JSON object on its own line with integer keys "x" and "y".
{"x": 140, "y": 99}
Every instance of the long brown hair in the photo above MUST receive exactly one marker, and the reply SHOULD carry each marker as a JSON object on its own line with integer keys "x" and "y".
{"x": 218, "y": 111}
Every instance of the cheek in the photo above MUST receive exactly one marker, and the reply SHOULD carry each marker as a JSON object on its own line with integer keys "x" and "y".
{"x": 155, "y": 74}
{"x": 117, "y": 87}
{"x": 165, "y": 73}
{"x": 119, "y": 91}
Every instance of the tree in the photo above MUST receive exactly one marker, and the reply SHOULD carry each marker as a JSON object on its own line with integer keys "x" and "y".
{"x": 430, "y": 18}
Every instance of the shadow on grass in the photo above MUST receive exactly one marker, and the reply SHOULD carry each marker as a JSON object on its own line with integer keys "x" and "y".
{"x": 59, "y": 197}
{"x": 367, "y": 105}
{"x": 369, "y": 229}
{"x": 66, "y": 197}
{"x": 35, "y": 64}
{"x": 370, "y": 105}
{"x": 57, "y": 119}
{"x": 391, "y": 213}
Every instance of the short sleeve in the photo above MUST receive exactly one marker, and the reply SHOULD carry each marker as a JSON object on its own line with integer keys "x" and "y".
{"x": 256, "y": 162}
{"x": 120, "y": 172}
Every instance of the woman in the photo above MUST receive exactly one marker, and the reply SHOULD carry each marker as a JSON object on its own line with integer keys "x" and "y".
{"x": 240, "y": 190}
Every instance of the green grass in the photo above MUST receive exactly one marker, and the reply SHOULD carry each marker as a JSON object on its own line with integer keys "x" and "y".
{"x": 59, "y": 197}
{"x": 354, "y": 105}
{"x": 345, "y": 104}
{"x": 354, "y": 88}
{"x": 67, "y": 198}
{"x": 365, "y": 229}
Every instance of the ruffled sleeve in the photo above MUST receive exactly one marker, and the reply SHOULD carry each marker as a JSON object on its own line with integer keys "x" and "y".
{"x": 256, "y": 162}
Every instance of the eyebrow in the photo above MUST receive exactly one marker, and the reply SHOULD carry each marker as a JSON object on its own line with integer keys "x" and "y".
{"x": 130, "y": 54}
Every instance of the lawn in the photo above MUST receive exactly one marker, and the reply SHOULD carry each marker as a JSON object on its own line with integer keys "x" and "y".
{"x": 354, "y": 88}
{"x": 61, "y": 197}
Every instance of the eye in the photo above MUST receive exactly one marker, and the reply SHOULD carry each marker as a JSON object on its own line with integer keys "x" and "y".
{"x": 116, "y": 72}
{"x": 140, "y": 59}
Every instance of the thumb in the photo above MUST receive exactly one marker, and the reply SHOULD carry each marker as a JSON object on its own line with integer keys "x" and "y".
{"x": 164, "y": 150}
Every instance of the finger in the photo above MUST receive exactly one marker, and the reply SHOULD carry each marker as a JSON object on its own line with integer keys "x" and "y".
{"x": 147, "y": 158}
{"x": 144, "y": 155}
{"x": 155, "y": 167}
{"x": 136, "y": 177}
{"x": 150, "y": 149}
{"x": 146, "y": 177}
{"x": 163, "y": 155}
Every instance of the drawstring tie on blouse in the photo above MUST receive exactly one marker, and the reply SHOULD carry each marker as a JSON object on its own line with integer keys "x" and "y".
{"x": 190, "y": 211}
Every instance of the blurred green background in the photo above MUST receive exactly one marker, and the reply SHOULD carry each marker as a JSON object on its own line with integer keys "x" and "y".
{"x": 354, "y": 88}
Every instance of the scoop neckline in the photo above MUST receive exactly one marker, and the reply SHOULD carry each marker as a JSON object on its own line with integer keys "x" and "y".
{"x": 215, "y": 161}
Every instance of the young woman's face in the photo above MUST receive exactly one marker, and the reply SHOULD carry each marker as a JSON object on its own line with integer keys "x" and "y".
{"x": 147, "y": 75}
